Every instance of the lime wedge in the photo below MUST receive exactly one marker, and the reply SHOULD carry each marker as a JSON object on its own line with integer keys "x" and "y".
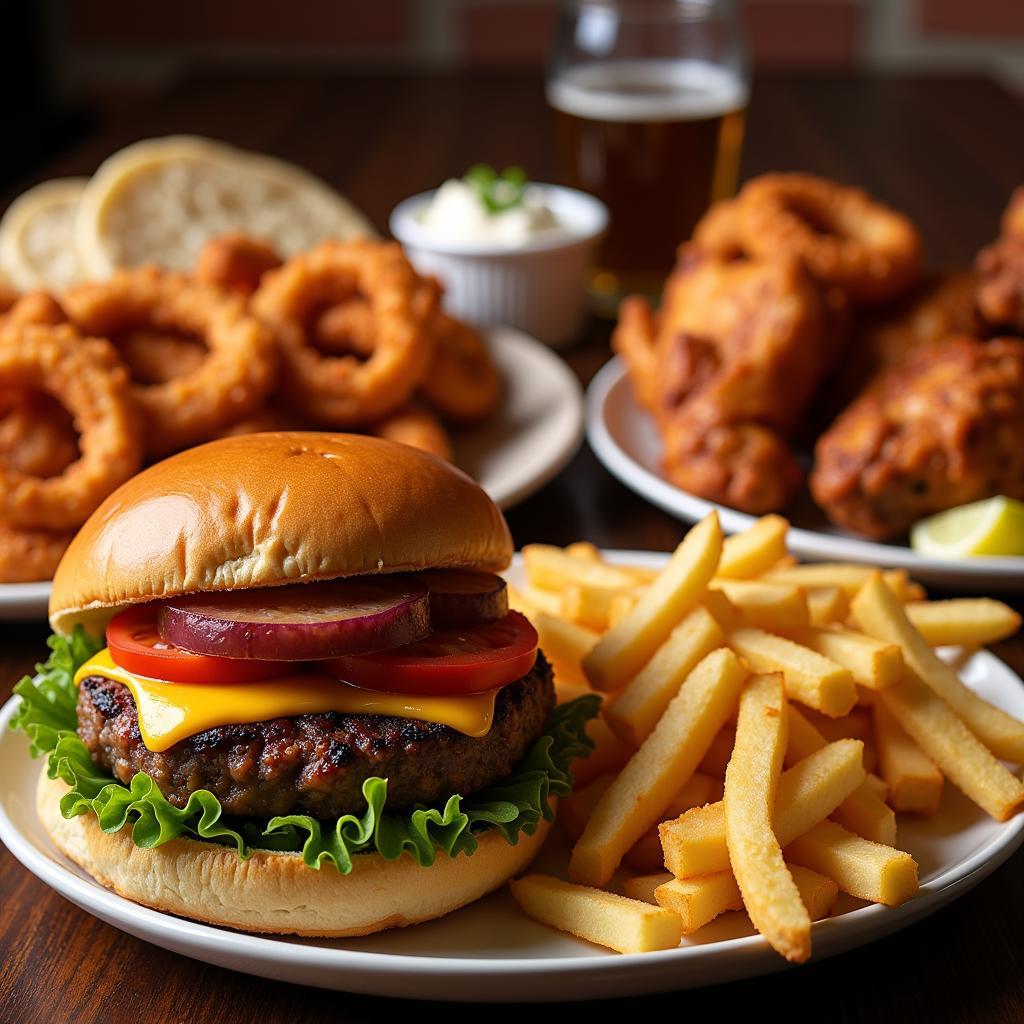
{"x": 991, "y": 527}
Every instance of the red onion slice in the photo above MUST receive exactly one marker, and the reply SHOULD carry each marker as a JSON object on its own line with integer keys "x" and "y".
{"x": 459, "y": 597}
{"x": 301, "y": 622}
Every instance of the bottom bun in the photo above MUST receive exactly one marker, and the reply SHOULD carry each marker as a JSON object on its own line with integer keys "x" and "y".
{"x": 276, "y": 892}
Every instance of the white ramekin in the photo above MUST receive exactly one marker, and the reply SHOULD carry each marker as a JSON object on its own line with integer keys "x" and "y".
{"x": 539, "y": 287}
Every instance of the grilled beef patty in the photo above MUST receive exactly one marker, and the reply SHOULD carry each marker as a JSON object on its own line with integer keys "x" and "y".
{"x": 316, "y": 764}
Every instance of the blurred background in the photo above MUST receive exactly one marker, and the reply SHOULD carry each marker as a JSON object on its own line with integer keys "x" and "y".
{"x": 80, "y": 63}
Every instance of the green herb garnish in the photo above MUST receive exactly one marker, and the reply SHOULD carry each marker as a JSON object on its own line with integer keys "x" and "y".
{"x": 497, "y": 192}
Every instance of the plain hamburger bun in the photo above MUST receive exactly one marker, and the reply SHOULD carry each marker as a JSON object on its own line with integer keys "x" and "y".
{"x": 276, "y": 892}
{"x": 269, "y": 509}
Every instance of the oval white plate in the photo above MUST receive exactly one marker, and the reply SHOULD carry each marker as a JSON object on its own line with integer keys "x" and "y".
{"x": 525, "y": 444}
{"x": 538, "y": 428}
{"x": 624, "y": 438}
{"x": 489, "y": 951}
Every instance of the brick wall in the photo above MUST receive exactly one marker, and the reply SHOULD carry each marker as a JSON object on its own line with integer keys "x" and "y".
{"x": 129, "y": 40}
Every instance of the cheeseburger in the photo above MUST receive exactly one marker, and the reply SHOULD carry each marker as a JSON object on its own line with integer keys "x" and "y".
{"x": 286, "y": 692}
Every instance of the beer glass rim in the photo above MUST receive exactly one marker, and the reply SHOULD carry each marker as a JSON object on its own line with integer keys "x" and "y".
{"x": 655, "y": 10}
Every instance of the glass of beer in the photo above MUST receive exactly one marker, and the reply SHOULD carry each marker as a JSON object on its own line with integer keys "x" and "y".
{"x": 650, "y": 97}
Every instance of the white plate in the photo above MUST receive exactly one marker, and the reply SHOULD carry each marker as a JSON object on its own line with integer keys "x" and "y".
{"x": 624, "y": 438}
{"x": 489, "y": 951}
{"x": 534, "y": 434}
{"x": 21, "y": 601}
{"x": 538, "y": 428}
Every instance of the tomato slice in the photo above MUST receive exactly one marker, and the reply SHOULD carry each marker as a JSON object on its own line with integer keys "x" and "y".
{"x": 136, "y": 646}
{"x": 464, "y": 659}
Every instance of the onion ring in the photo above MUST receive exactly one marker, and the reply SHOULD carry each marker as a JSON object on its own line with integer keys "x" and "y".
{"x": 719, "y": 231}
{"x": 88, "y": 378}
{"x": 417, "y": 427}
{"x": 346, "y": 328}
{"x": 235, "y": 262}
{"x": 155, "y": 358}
{"x": 341, "y": 391}
{"x": 842, "y": 235}
{"x": 462, "y": 382}
{"x": 33, "y": 308}
{"x": 30, "y": 555}
{"x": 37, "y": 436}
{"x": 231, "y": 382}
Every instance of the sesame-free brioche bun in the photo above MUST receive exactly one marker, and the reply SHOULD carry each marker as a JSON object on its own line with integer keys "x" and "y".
{"x": 268, "y": 509}
{"x": 276, "y": 892}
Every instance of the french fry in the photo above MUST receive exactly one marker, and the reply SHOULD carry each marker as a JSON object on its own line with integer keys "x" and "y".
{"x": 716, "y": 760}
{"x": 966, "y": 621}
{"x": 880, "y": 788}
{"x": 517, "y": 602}
{"x": 621, "y": 605}
{"x": 722, "y": 610}
{"x": 553, "y": 569}
{"x": 541, "y": 600}
{"x": 915, "y": 784}
{"x": 587, "y": 606}
{"x": 565, "y": 643}
{"x": 627, "y": 647}
{"x": 849, "y": 578}
{"x": 818, "y": 892}
{"x": 957, "y": 752}
{"x": 869, "y": 871}
{"x": 880, "y": 615}
{"x": 695, "y": 843}
{"x": 646, "y": 853}
{"x": 698, "y": 901}
{"x": 772, "y": 606}
{"x": 606, "y": 918}
{"x": 609, "y": 753}
{"x": 642, "y": 886}
{"x": 769, "y": 893}
{"x": 872, "y": 663}
{"x": 574, "y": 810}
{"x": 654, "y": 774}
{"x": 857, "y": 725}
{"x": 826, "y": 605}
{"x": 641, "y": 702}
{"x": 810, "y": 678}
{"x": 864, "y": 811}
{"x": 584, "y": 549}
{"x": 756, "y": 549}
{"x": 568, "y": 689}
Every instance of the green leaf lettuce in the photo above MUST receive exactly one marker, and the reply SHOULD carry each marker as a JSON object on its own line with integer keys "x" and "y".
{"x": 514, "y": 805}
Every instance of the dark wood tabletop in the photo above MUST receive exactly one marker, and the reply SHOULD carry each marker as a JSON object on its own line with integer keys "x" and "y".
{"x": 947, "y": 151}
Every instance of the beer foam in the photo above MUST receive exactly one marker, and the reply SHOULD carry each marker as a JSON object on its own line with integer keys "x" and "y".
{"x": 648, "y": 90}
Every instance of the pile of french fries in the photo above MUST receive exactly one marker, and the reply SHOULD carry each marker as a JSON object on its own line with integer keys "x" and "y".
{"x": 762, "y": 724}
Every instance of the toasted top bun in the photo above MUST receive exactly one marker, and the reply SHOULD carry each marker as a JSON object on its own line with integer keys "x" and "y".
{"x": 263, "y": 510}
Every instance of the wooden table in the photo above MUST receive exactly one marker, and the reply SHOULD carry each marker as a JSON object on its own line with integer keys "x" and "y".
{"x": 946, "y": 151}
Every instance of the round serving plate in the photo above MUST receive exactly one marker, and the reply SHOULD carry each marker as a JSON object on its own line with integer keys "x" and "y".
{"x": 624, "y": 438}
{"x": 528, "y": 441}
{"x": 489, "y": 951}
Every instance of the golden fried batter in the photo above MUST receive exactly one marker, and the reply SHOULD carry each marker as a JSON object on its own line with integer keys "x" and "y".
{"x": 235, "y": 262}
{"x": 727, "y": 367}
{"x": 941, "y": 429}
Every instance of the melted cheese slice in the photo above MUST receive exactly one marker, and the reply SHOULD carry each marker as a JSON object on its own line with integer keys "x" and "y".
{"x": 170, "y": 712}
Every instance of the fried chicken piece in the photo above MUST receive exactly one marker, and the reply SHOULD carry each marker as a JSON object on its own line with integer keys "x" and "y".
{"x": 1000, "y": 293}
{"x": 727, "y": 367}
{"x": 1012, "y": 223}
{"x": 235, "y": 262}
{"x": 884, "y": 337}
{"x": 940, "y": 430}
{"x": 1000, "y": 268}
